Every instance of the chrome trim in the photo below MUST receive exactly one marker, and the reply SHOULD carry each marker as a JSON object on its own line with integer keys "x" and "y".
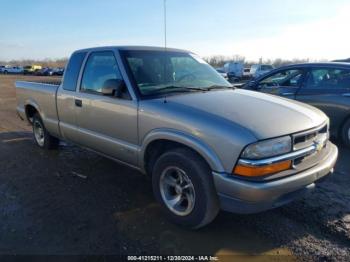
{"x": 317, "y": 133}
{"x": 315, "y": 129}
{"x": 290, "y": 156}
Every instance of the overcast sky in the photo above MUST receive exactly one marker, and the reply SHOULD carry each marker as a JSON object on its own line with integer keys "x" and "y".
{"x": 312, "y": 29}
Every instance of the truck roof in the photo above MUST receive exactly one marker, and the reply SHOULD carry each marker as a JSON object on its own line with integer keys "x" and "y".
{"x": 130, "y": 47}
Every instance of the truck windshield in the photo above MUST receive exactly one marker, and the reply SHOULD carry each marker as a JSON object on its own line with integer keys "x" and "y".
{"x": 162, "y": 72}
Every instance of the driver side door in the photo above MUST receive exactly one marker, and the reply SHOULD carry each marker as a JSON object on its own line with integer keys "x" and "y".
{"x": 282, "y": 83}
{"x": 107, "y": 123}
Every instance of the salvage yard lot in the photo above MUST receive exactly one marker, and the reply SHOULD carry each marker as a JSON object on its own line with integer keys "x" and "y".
{"x": 73, "y": 201}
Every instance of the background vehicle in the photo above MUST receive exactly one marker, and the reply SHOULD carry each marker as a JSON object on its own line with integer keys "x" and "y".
{"x": 158, "y": 112}
{"x": 222, "y": 72}
{"x": 259, "y": 70}
{"x": 246, "y": 73}
{"x": 323, "y": 85}
{"x": 12, "y": 70}
{"x": 1, "y": 68}
{"x": 58, "y": 71}
{"x": 46, "y": 71}
{"x": 234, "y": 71}
{"x": 31, "y": 69}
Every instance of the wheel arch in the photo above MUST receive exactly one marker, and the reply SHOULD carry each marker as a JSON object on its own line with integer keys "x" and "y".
{"x": 158, "y": 141}
{"x": 30, "y": 109}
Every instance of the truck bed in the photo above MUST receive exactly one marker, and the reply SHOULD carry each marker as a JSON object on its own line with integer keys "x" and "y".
{"x": 41, "y": 96}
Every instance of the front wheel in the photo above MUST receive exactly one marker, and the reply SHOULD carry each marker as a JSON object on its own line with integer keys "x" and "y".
{"x": 41, "y": 137}
{"x": 346, "y": 133}
{"x": 183, "y": 185}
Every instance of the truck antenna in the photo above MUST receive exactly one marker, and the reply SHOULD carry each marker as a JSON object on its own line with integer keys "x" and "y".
{"x": 165, "y": 36}
{"x": 165, "y": 43}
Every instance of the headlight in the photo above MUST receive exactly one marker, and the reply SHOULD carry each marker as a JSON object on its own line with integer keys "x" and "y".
{"x": 268, "y": 148}
{"x": 261, "y": 150}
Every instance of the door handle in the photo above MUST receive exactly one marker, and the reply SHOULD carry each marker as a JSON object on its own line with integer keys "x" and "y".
{"x": 78, "y": 103}
{"x": 346, "y": 94}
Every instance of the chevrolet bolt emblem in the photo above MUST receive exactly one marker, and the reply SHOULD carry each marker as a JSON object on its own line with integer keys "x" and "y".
{"x": 319, "y": 145}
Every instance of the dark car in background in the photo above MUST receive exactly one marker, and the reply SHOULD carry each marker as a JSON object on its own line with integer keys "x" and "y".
{"x": 58, "y": 71}
{"x": 46, "y": 71}
{"x": 323, "y": 85}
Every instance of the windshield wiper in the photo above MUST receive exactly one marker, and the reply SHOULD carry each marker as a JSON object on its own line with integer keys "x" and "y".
{"x": 182, "y": 89}
{"x": 174, "y": 88}
{"x": 213, "y": 87}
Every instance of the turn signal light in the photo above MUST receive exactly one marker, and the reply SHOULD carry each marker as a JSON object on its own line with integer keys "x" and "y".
{"x": 254, "y": 171}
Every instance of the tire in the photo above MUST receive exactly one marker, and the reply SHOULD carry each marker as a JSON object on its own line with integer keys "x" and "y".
{"x": 199, "y": 205}
{"x": 41, "y": 137}
{"x": 345, "y": 133}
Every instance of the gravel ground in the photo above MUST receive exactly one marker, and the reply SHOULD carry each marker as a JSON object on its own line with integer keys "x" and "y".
{"x": 72, "y": 201}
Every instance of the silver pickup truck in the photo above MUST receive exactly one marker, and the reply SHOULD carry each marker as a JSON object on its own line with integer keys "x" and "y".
{"x": 166, "y": 112}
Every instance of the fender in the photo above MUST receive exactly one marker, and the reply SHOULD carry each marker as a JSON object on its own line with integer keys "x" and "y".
{"x": 184, "y": 138}
{"x": 31, "y": 102}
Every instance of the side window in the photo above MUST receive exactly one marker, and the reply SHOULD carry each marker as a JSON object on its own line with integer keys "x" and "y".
{"x": 72, "y": 72}
{"x": 328, "y": 79}
{"x": 286, "y": 78}
{"x": 100, "y": 67}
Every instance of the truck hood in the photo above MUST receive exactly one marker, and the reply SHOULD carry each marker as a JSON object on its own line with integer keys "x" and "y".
{"x": 264, "y": 115}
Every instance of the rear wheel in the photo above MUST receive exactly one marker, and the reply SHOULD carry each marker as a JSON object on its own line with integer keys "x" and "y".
{"x": 183, "y": 185}
{"x": 41, "y": 137}
{"x": 346, "y": 133}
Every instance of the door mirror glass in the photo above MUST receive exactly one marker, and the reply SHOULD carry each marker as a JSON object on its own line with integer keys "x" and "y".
{"x": 250, "y": 85}
{"x": 112, "y": 87}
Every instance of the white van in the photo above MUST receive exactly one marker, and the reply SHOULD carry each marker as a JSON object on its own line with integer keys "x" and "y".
{"x": 234, "y": 70}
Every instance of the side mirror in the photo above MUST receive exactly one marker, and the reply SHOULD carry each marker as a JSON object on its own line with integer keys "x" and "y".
{"x": 252, "y": 85}
{"x": 113, "y": 87}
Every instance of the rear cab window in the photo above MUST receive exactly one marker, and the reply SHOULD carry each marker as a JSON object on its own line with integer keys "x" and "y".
{"x": 71, "y": 75}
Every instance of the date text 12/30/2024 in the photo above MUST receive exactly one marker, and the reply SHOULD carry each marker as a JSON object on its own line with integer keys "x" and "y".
{"x": 173, "y": 258}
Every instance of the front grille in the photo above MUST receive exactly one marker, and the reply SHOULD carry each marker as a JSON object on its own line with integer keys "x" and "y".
{"x": 318, "y": 138}
{"x": 309, "y": 138}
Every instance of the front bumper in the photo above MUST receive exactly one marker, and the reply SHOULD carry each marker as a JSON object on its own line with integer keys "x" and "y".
{"x": 241, "y": 196}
